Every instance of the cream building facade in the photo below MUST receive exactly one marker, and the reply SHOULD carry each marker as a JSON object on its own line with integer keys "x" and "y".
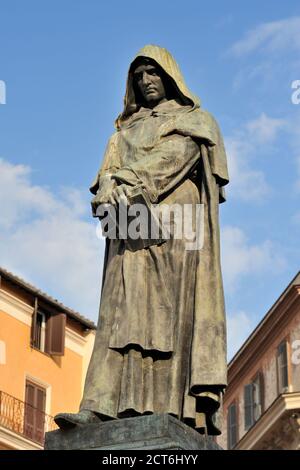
{"x": 262, "y": 401}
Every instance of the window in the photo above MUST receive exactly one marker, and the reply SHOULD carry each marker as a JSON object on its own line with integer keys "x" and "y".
{"x": 253, "y": 400}
{"x": 34, "y": 417}
{"x": 232, "y": 425}
{"x": 40, "y": 328}
{"x": 48, "y": 331}
{"x": 282, "y": 367}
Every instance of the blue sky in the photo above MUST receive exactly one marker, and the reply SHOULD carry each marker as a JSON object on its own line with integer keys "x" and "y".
{"x": 64, "y": 64}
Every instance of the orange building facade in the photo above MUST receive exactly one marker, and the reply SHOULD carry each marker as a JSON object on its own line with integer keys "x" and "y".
{"x": 45, "y": 349}
{"x": 262, "y": 401}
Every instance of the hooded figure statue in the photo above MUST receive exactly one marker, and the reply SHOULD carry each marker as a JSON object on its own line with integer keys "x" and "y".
{"x": 161, "y": 340}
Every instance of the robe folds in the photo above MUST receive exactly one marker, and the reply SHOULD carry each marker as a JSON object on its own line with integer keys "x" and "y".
{"x": 160, "y": 345}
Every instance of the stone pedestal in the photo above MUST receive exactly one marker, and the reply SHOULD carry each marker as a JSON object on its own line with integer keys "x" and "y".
{"x": 151, "y": 432}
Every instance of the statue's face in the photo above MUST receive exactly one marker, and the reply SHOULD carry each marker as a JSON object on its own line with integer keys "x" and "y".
{"x": 149, "y": 81}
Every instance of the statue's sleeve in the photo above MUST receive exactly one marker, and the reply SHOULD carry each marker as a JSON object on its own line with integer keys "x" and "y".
{"x": 111, "y": 163}
{"x": 218, "y": 162}
{"x": 202, "y": 127}
{"x": 163, "y": 167}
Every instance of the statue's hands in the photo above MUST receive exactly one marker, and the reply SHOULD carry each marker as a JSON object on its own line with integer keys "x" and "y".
{"x": 106, "y": 187}
{"x": 118, "y": 193}
{"x": 109, "y": 193}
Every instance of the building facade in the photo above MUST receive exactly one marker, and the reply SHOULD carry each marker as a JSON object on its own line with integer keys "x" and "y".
{"x": 45, "y": 349}
{"x": 262, "y": 401}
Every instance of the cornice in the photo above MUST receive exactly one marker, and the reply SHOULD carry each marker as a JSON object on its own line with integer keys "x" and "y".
{"x": 17, "y": 441}
{"x": 15, "y": 307}
{"x": 75, "y": 341}
{"x": 22, "y": 312}
{"x": 264, "y": 337}
{"x": 53, "y": 303}
{"x": 284, "y": 403}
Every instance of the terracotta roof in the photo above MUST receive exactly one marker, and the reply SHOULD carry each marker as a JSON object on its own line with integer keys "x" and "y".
{"x": 54, "y": 302}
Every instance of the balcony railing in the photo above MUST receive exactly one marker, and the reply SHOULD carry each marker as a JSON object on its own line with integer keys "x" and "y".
{"x": 24, "y": 419}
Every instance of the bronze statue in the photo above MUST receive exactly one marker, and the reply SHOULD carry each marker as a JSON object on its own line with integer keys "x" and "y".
{"x": 161, "y": 340}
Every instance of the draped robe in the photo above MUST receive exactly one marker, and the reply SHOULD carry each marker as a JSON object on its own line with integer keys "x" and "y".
{"x": 160, "y": 345}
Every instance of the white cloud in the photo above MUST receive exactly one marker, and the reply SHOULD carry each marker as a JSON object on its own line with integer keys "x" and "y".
{"x": 274, "y": 67}
{"x": 272, "y": 37}
{"x": 239, "y": 327}
{"x": 275, "y": 47}
{"x": 20, "y": 196}
{"x": 264, "y": 129}
{"x": 47, "y": 239}
{"x": 257, "y": 72}
{"x": 246, "y": 183}
{"x": 241, "y": 258}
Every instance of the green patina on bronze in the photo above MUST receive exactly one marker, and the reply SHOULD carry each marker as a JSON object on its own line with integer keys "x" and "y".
{"x": 161, "y": 340}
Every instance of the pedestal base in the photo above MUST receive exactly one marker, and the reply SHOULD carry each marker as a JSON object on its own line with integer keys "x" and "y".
{"x": 142, "y": 433}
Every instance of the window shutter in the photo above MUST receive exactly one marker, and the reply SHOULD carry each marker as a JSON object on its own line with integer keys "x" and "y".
{"x": 55, "y": 334}
{"x": 261, "y": 391}
{"x": 282, "y": 365}
{"x": 232, "y": 425}
{"x": 40, "y": 404}
{"x": 258, "y": 390}
{"x": 29, "y": 410}
{"x": 33, "y": 323}
{"x": 248, "y": 405}
{"x": 34, "y": 418}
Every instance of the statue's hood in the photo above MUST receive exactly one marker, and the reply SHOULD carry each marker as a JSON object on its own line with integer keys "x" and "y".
{"x": 167, "y": 62}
